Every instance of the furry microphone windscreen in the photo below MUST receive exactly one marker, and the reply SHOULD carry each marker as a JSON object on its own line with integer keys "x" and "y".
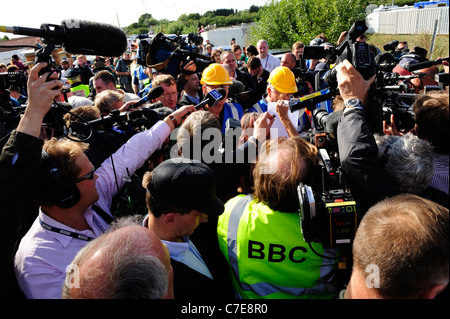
{"x": 93, "y": 38}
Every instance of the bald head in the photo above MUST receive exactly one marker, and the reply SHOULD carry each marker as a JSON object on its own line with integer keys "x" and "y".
{"x": 128, "y": 262}
{"x": 288, "y": 60}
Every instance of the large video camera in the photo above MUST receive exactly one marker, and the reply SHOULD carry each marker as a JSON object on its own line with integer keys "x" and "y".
{"x": 9, "y": 113}
{"x": 357, "y": 53}
{"x": 327, "y": 209}
{"x": 166, "y": 53}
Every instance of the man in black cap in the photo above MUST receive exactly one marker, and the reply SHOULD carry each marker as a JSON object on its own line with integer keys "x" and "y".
{"x": 181, "y": 194}
{"x": 73, "y": 76}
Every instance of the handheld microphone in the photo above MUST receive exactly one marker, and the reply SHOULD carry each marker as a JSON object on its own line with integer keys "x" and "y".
{"x": 79, "y": 37}
{"x": 212, "y": 98}
{"x": 424, "y": 65}
{"x": 154, "y": 93}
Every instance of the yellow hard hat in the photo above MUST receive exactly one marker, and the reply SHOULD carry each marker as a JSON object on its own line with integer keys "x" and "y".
{"x": 283, "y": 80}
{"x": 215, "y": 74}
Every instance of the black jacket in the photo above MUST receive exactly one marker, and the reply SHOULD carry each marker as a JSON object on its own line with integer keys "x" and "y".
{"x": 19, "y": 161}
{"x": 358, "y": 152}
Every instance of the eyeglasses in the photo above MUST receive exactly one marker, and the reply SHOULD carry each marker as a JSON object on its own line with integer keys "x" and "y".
{"x": 167, "y": 95}
{"x": 89, "y": 175}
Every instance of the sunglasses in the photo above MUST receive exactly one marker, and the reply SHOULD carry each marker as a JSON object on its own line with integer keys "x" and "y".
{"x": 89, "y": 175}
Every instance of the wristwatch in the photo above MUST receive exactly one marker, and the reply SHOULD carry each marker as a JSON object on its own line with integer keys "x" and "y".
{"x": 353, "y": 103}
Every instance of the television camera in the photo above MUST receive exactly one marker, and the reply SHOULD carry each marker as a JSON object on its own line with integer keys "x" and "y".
{"x": 166, "y": 53}
{"x": 9, "y": 113}
{"x": 328, "y": 212}
{"x": 357, "y": 53}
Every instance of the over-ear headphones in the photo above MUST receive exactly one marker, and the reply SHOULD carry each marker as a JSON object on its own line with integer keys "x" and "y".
{"x": 66, "y": 194}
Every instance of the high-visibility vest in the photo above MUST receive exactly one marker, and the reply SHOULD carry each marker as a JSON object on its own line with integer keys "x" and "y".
{"x": 267, "y": 255}
{"x": 81, "y": 90}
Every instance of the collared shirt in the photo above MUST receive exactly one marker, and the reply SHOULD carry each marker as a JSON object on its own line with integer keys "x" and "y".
{"x": 185, "y": 252}
{"x": 440, "y": 179}
{"x": 43, "y": 255}
{"x": 194, "y": 99}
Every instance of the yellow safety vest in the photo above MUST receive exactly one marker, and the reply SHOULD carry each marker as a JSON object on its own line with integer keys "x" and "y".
{"x": 268, "y": 256}
{"x": 81, "y": 90}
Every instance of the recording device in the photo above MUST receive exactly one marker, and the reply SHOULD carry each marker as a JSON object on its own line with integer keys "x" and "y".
{"x": 330, "y": 219}
{"x": 390, "y": 46}
{"x": 328, "y": 212}
{"x": 357, "y": 53}
{"x": 8, "y": 112}
{"x": 79, "y": 37}
{"x": 166, "y": 53}
{"x": 154, "y": 93}
{"x": 212, "y": 98}
{"x": 426, "y": 64}
{"x": 76, "y": 37}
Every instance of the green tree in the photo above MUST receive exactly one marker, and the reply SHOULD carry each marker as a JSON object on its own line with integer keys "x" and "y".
{"x": 286, "y": 21}
{"x": 175, "y": 27}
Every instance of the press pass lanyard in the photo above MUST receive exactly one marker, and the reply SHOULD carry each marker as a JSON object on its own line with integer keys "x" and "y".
{"x": 65, "y": 232}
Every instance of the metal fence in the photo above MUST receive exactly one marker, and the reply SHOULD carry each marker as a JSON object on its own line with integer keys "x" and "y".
{"x": 409, "y": 21}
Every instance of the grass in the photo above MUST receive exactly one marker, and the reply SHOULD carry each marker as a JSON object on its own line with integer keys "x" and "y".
{"x": 441, "y": 46}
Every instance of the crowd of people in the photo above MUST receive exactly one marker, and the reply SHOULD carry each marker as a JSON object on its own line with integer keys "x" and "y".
{"x": 222, "y": 217}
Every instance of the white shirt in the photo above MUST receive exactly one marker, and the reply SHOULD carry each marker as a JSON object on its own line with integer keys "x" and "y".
{"x": 270, "y": 62}
{"x": 43, "y": 255}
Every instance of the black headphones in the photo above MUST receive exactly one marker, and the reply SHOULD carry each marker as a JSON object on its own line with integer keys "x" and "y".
{"x": 66, "y": 194}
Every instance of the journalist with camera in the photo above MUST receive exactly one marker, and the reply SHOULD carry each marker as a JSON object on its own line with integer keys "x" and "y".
{"x": 65, "y": 186}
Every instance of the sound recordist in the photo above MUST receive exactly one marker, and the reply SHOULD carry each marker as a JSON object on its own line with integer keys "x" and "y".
{"x": 65, "y": 187}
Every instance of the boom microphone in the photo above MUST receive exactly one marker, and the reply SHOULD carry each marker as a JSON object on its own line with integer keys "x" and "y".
{"x": 79, "y": 37}
{"x": 424, "y": 65}
{"x": 154, "y": 93}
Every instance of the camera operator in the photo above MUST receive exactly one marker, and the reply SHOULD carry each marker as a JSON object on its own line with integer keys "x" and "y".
{"x": 259, "y": 234}
{"x": 19, "y": 161}
{"x": 66, "y": 187}
{"x": 369, "y": 177}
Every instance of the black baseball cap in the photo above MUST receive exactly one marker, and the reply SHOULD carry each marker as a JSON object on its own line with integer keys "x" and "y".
{"x": 186, "y": 184}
